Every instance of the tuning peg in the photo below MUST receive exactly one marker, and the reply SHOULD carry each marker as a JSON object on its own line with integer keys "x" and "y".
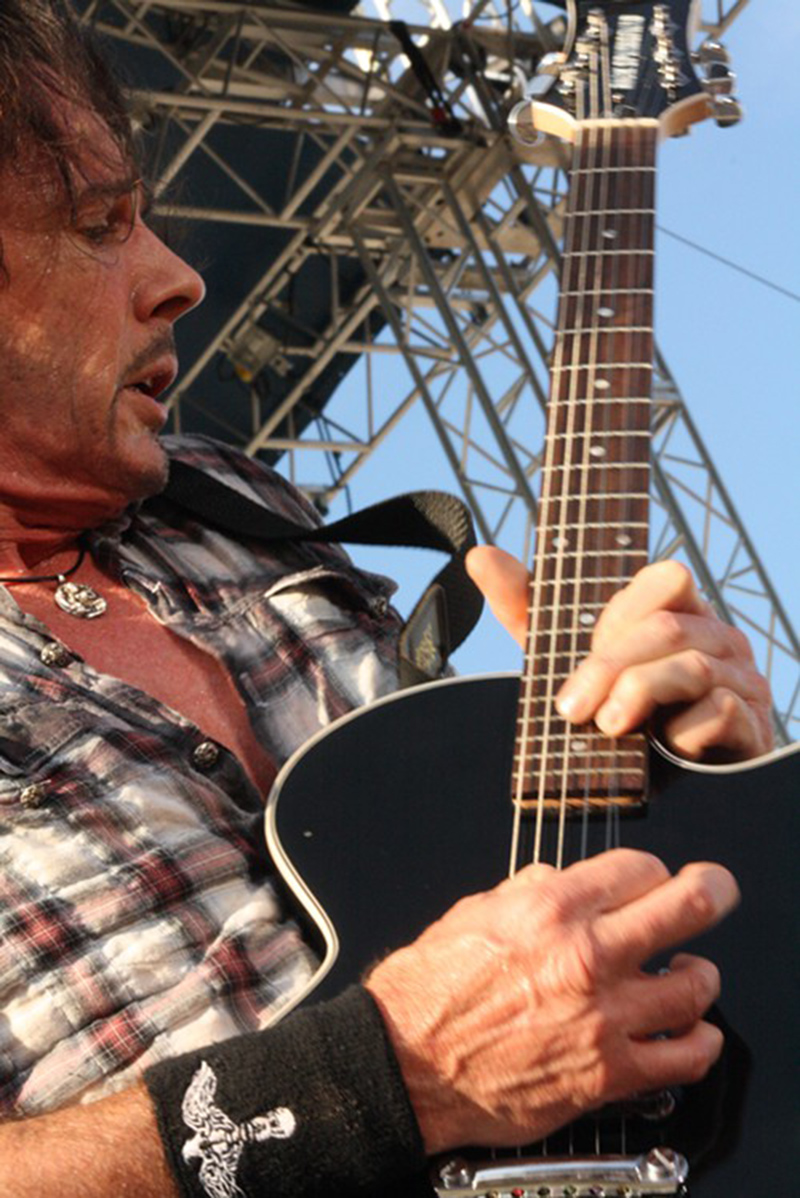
{"x": 547, "y": 72}
{"x": 719, "y": 80}
{"x": 713, "y": 52}
{"x": 726, "y": 110}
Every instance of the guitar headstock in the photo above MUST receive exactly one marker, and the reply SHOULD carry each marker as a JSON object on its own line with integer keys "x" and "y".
{"x": 628, "y": 60}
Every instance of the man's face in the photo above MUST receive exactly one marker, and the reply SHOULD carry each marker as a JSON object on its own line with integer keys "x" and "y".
{"x": 86, "y": 316}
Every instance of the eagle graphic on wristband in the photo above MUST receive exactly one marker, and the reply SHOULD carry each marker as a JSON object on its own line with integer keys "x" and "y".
{"x": 218, "y": 1142}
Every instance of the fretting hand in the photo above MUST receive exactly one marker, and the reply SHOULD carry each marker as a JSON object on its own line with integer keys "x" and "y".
{"x": 656, "y": 645}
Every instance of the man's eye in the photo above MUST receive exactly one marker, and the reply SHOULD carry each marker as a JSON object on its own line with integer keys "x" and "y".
{"x": 98, "y": 234}
{"x": 114, "y": 226}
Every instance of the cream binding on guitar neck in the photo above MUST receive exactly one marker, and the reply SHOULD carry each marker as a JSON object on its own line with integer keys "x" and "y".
{"x": 420, "y": 820}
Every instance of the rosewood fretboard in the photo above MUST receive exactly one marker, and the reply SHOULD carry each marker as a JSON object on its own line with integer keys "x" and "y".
{"x": 592, "y": 531}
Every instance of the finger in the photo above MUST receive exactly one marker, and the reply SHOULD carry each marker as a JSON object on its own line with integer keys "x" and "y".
{"x": 665, "y": 917}
{"x": 683, "y": 678}
{"x": 672, "y": 1001}
{"x": 658, "y": 636}
{"x": 598, "y": 884}
{"x": 504, "y": 583}
{"x": 722, "y": 720}
{"x": 679, "y": 1059}
{"x": 661, "y": 586}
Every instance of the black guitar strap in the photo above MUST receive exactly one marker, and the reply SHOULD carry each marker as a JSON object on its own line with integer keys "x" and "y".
{"x": 449, "y": 608}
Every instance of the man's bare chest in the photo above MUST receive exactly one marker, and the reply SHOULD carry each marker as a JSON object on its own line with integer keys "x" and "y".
{"x": 126, "y": 642}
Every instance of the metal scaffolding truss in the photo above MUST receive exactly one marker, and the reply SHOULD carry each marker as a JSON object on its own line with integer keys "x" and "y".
{"x": 397, "y": 199}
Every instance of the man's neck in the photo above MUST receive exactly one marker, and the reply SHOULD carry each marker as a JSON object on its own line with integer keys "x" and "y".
{"x": 40, "y": 527}
{"x": 49, "y": 552}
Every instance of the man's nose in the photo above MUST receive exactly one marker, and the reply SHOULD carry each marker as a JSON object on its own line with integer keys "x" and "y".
{"x": 168, "y": 287}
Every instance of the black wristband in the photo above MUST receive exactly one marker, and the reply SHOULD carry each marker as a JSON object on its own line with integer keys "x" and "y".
{"x": 313, "y": 1107}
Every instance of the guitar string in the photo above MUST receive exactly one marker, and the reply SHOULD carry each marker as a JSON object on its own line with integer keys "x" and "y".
{"x": 647, "y": 187}
{"x": 553, "y": 565}
{"x": 604, "y": 205}
{"x": 576, "y": 322}
{"x": 597, "y": 181}
{"x": 644, "y": 193}
{"x": 538, "y": 632}
{"x": 597, "y": 203}
{"x": 563, "y": 414}
{"x": 569, "y": 406}
{"x": 613, "y": 830}
{"x": 590, "y": 202}
{"x": 527, "y": 729}
{"x": 621, "y": 390}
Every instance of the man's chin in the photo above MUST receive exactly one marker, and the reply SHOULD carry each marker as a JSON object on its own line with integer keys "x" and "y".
{"x": 145, "y": 470}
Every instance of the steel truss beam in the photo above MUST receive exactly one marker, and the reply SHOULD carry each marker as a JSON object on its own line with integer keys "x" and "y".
{"x": 456, "y": 244}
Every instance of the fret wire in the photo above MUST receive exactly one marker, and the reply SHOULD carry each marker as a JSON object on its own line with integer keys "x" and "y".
{"x": 612, "y": 774}
{"x": 611, "y": 253}
{"x": 599, "y": 750}
{"x": 629, "y": 552}
{"x": 598, "y": 434}
{"x": 612, "y": 291}
{"x": 613, "y": 170}
{"x": 548, "y": 609}
{"x": 579, "y": 767}
{"x": 613, "y": 365}
{"x": 596, "y": 741}
{"x": 562, "y": 630}
{"x": 612, "y": 212}
{"x": 617, "y": 754}
{"x": 601, "y": 578}
{"x": 625, "y": 759}
{"x": 556, "y": 528}
{"x": 606, "y": 466}
{"x": 590, "y": 400}
{"x": 612, "y": 330}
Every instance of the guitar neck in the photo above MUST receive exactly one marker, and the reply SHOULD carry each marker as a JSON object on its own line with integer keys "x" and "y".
{"x": 592, "y": 533}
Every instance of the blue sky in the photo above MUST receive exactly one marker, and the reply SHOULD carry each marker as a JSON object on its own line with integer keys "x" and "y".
{"x": 731, "y": 343}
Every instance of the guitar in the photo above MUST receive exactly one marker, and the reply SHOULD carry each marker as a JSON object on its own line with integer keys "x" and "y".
{"x": 444, "y": 789}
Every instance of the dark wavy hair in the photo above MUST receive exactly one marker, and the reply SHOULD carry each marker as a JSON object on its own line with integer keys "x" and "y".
{"x": 47, "y": 61}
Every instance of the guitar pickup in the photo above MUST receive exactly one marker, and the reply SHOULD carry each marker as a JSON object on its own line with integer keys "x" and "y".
{"x": 658, "y": 1172}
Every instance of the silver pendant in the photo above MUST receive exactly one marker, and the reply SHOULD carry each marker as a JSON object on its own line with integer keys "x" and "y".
{"x": 78, "y": 600}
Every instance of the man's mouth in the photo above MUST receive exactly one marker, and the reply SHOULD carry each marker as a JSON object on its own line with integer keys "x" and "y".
{"x": 154, "y": 380}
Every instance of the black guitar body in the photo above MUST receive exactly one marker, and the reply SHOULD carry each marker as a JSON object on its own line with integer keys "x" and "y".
{"x": 392, "y": 814}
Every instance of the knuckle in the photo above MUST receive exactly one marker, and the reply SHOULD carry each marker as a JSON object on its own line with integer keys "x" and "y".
{"x": 760, "y": 689}
{"x": 631, "y": 688}
{"x": 702, "y": 987}
{"x": 700, "y": 1056}
{"x": 643, "y": 863}
{"x": 700, "y": 904}
{"x": 728, "y": 710}
{"x": 555, "y": 906}
{"x": 739, "y": 643}
{"x": 587, "y": 960}
{"x": 701, "y": 669}
{"x": 669, "y": 628}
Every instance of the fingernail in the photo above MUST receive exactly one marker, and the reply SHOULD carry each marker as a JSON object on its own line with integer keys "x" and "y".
{"x": 571, "y": 705}
{"x": 610, "y": 718}
{"x": 723, "y": 887}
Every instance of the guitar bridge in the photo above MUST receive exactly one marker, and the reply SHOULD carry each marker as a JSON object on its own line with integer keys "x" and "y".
{"x": 659, "y": 1172}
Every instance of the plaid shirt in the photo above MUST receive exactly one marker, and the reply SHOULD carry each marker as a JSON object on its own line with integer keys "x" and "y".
{"x": 137, "y": 919}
